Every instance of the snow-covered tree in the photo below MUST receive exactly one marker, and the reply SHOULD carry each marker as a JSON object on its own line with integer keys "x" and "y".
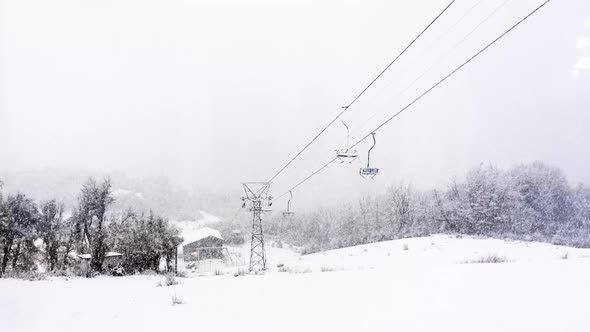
{"x": 55, "y": 232}
{"x": 93, "y": 203}
{"x": 18, "y": 233}
{"x": 541, "y": 199}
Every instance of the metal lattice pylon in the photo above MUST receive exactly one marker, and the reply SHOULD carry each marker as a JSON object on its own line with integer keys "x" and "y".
{"x": 257, "y": 194}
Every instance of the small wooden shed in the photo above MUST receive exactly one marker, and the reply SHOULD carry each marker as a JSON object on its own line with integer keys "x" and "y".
{"x": 206, "y": 243}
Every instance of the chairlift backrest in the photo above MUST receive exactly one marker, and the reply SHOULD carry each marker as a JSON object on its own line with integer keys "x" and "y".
{"x": 372, "y": 172}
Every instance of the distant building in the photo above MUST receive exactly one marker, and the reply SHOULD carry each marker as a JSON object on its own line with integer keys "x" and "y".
{"x": 206, "y": 243}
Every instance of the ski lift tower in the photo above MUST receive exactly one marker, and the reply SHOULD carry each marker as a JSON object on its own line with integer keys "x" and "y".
{"x": 257, "y": 194}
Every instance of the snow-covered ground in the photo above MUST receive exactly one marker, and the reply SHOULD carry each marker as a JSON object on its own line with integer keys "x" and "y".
{"x": 420, "y": 284}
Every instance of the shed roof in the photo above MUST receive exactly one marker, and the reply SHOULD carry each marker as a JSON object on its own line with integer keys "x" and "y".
{"x": 88, "y": 256}
{"x": 201, "y": 234}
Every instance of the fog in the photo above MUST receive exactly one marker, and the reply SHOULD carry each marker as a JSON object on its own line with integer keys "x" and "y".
{"x": 213, "y": 93}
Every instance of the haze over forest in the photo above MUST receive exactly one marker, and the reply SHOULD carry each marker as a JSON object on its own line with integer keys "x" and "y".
{"x": 210, "y": 97}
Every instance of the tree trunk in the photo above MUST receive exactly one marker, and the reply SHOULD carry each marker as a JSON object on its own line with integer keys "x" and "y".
{"x": 6, "y": 254}
{"x": 16, "y": 255}
{"x": 99, "y": 252}
{"x": 64, "y": 262}
{"x": 52, "y": 250}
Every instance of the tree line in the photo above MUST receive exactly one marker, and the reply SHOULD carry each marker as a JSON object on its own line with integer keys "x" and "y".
{"x": 528, "y": 202}
{"x": 46, "y": 233}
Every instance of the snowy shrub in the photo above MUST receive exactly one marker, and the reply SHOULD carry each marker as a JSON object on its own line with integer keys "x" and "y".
{"x": 27, "y": 275}
{"x": 283, "y": 268}
{"x": 176, "y": 299}
{"x": 405, "y": 246}
{"x": 170, "y": 280}
{"x": 146, "y": 273}
{"x": 327, "y": 269}
{"x": 63, "y": 273}
{"x": 181, "y": 274}
{"x": 296, "y": 270}
{"x": 490, "y": 258}
{"x": 219, "y": 272}
{"x": 240, "y": 272}
{"x": 565, "y": 255}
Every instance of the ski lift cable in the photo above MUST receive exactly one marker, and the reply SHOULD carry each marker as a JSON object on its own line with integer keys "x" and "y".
{"x": 452, "y": 72}
{"x": 400, "y": 54}
{"x": 426, "y": 91}
{"x": 236, "y": 214}
{"x": 439, "y": 59}
{"x": 307, "y": 178}
{"x": 345, "y": 108}
{"x": 437, "y": 39}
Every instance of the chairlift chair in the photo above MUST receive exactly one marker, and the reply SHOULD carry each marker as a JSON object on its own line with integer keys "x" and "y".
{"x": 368, "y": 171}
{"x": 288, "y": 213}
{"x": 347, "y": 154}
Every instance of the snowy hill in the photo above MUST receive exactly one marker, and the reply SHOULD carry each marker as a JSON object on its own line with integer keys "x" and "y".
{"x": 419, "y": 284}
{"x": 435, "y": 250}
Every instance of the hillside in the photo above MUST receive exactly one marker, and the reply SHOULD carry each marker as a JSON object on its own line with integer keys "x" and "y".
{"x": 419, "y": 284}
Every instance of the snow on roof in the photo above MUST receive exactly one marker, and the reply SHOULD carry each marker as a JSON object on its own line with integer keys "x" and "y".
{"x": 201, "y": 234}
{"x": 88, "y": 256}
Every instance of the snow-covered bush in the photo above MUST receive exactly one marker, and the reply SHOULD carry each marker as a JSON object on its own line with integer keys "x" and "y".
{"x": 240, "y": 272}
{"x": 297, "y": 270}
{"x": 170, "y": 280}
{"x": 176, "y": 299}
{"x": 27, "y": 275}
{"x": 490, "y": 258}
{"x": 327, "y": 269}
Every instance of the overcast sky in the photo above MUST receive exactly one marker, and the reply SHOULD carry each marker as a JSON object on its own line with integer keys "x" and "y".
{"x": 219, "y": 92}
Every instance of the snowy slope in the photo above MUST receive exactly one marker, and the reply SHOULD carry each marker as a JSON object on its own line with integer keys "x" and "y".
{"x": 381, "y": 287}
{"x": 436, "y": 250}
